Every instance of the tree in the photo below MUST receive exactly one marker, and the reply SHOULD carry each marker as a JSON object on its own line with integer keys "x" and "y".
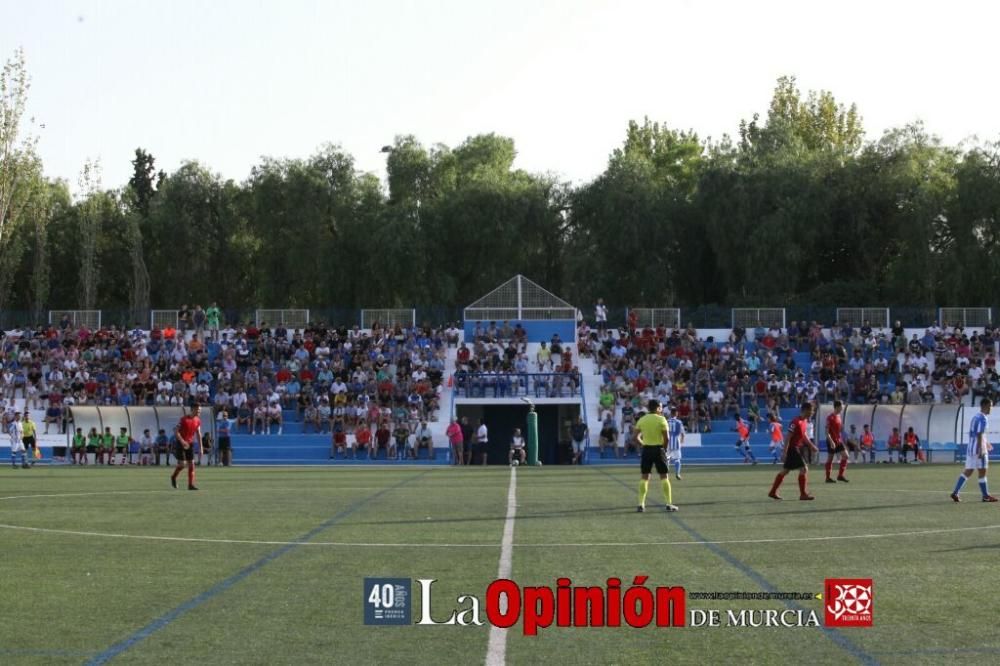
{"x": 20, "y": 168}
{"x": 141, "y": 191}
{"x": 90, "y": 225}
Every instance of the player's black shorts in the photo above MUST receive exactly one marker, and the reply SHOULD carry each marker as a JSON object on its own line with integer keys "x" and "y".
{"x": 835, "y": 449}
{"x": 225, "y": 443}
{"x": 29, "y": 442}
{"x": 187, "y": 455}
{"x": 653, "y": 456}
{"x": 794, "y": 460}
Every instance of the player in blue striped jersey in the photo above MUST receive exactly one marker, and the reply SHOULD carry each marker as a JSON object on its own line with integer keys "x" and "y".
{"x": 977, "y": 455}
{"x": 675, "y": 428}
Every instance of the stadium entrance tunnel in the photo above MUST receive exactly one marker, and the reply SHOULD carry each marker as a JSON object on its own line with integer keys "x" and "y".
{"x": 554, "y": 444}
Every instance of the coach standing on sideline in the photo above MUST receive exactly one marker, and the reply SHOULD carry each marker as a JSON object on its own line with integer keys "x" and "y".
{"x": 653, "y": 433}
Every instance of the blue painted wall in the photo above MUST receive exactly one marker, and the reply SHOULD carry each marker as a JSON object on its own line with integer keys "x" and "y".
{"x": 538, "y": 331}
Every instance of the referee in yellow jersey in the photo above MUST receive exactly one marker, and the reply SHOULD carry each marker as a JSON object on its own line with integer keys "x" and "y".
{"x": 653, "y": 436}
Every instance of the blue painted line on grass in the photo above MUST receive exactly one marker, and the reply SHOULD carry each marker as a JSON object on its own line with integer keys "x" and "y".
{"x": 840, "y": 639}
{"x": 28, "y": 652}
{"x": 178, "y": 612}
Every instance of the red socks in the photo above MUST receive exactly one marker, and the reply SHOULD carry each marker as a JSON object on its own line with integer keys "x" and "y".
{"x": 802, "y": 485}
{"x": 190, "y": 474}
{"x": 777, "y": 483}
{"x": 829, "y": 468}
{"x": 843, "y": 468}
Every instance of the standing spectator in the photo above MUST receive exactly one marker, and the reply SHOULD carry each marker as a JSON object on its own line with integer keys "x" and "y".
{"x": 183, "y": 320}
{"x": 578, "y": 432}
{"x": 213, "y": 317}
{"x": 456, "y": 440}
{"x": 482, "y": 441}
{"x": 469, "y": 437}
{"x": 601, "y": 316}
{"x": 198, "y": 319}
{"x": 224, "y": 449}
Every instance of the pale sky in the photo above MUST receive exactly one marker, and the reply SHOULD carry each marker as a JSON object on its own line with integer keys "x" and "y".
{"x": 225, "y": 82}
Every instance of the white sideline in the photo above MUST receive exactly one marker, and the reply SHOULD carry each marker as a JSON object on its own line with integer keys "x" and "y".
{"x": 496, "y": 649}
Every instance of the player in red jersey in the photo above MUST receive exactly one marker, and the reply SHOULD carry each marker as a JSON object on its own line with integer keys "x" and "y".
{"x": 835, "y": 443}
{"x": 187, "y": 432}
{"x": 798, "y": 437}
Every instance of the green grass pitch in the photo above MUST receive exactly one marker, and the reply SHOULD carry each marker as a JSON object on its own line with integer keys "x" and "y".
{"x": 266, "y": 565}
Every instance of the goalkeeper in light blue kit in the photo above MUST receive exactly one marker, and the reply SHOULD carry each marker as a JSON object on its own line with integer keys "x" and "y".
{"x": 977, "y": 456}
{"x": 675, "y": 428}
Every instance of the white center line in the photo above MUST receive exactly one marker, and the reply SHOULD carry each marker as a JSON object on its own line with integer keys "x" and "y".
{"x": 496, "y": 650}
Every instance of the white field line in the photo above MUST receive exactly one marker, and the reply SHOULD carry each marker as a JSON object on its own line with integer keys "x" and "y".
{"x": 496, "y": 649}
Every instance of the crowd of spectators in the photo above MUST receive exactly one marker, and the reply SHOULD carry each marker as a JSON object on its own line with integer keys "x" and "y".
{"x": 335, "y": 378}
{"x": 495, "y": 363}
{"x": 706, "y": 381}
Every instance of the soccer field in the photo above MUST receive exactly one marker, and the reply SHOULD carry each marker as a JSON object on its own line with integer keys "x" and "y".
{"x": 267, "y": 565}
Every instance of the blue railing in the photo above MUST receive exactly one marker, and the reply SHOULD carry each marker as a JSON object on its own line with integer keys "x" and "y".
{"x": 521, "y": 384}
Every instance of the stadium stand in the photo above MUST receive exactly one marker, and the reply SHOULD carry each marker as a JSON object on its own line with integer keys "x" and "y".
{"x": 287, "y": 391}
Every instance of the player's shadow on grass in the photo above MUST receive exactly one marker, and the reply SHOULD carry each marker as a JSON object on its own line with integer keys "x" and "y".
{"x": 985, "y": 546}
{"x": 847, "y": 509}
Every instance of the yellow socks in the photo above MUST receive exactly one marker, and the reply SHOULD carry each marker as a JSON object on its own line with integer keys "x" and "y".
{"x": 643, "y": 490}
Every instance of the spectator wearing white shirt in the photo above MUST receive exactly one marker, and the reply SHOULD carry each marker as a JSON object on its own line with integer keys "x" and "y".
{"x": 601, "y": 315}
{"x": 481, "y": 445}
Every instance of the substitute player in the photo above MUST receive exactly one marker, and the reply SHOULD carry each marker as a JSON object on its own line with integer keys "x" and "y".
{"x": 653, "y": 433}
{"x": 977, "y": 456}
{"x": 798, "y": 438}
{"x": 835, "y": 443}
{"x": 187, "y": 432}
{"x": 777, "y": 445}
{"x": 676, "y": 430}
{"x": 743, "y": 432}
{"x": 868, "y": 443}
